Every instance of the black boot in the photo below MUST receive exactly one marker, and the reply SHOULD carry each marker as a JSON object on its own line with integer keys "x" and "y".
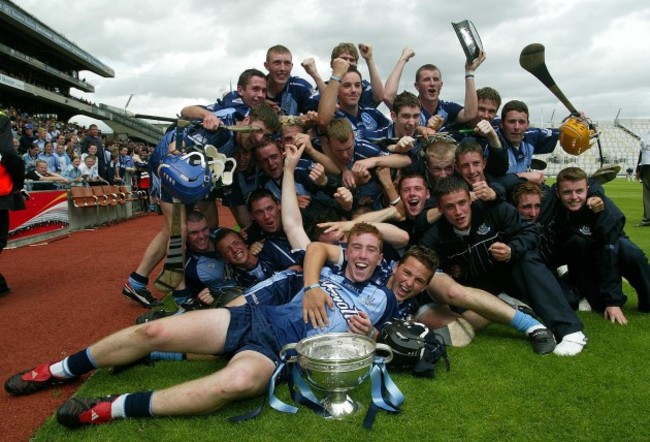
{"x": 4, "y": 288}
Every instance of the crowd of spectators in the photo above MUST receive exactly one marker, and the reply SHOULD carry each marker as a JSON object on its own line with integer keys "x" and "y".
{"x": 59, "y": 154}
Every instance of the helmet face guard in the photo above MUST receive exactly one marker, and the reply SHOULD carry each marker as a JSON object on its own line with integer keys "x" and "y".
{"x": 415, "y": 347}
{"x": 185, "y": 177}
{"x": 575, "y": 136}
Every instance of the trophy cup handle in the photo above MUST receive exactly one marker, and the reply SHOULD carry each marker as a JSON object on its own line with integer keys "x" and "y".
{"x": 288, "y": 348}
{"x": 384, "y": 348}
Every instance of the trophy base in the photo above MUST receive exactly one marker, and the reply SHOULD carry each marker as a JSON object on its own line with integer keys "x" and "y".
{"x": 340, "y": 405}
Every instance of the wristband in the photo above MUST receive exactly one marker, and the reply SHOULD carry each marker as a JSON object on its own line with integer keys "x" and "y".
{"x": 469, "y": 76}
{"x": 313, "y": 286}
{"x": 335, "y": 78}
{"x": 395, "y": 201}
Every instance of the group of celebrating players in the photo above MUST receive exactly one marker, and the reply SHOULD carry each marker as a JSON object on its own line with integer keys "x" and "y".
{"x": 349, "y": 219}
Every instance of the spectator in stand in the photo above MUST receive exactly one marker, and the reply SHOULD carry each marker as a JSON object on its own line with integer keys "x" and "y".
{"x": 60, "y": 139}
{"x": 53, "y": 131}
{"x": 89, "y": 170}
{"x": 74, "y": 145}
{"x": 27, "y": 139}
{"x": 30, "y": 157}
{"x": 46, "y": 180}
{"x": 92, "y": 150}
{"x": 48, "y": 156}
{"x": 41, "y": 139}
{"x": 124, "y": 167}
{"x": 73, "y": 172}
{"x": 62, "y": 157}
{"x": 94, "y": 138}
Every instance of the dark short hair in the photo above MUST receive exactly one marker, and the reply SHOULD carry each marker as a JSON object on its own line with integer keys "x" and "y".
{"x": 195, "y": 217}
{"x": 405, "y": 99}
{"x": 425, "y": 255}
{"x": 514, "y": 105}
{"x": 488, "y": 93}
{"x": 222, "y": 233}
{"x": 277, "y": 49}
{"x": 426, "y": 67}
{"x": 264, "y": 112}
{"x": 246, "y": 76}
{"x": 258, "y": 194}
{"x": 468, "y": 146}
{"x": 571, "y": 174}
{"x": 411, "y": 174}
{"x": 450, "y": 184}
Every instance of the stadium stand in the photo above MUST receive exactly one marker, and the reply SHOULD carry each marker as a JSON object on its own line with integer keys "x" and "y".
{"x": 39, "y": 66}
{"x": 620, "y": 146}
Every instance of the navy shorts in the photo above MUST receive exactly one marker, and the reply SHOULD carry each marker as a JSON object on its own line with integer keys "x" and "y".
{"x": 249, "y": 329}
{"x": 157, "y": 190}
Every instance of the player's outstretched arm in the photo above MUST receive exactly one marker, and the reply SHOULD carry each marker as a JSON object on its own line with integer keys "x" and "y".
{"x": 315, "y": 299}
{"x": 291, "y": 217}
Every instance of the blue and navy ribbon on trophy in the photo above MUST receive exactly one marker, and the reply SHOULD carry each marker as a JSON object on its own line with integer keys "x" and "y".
{"x": 385, "y": 394}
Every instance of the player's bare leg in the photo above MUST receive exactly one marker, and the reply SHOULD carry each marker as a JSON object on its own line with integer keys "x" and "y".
{"x": 246, "y": 375}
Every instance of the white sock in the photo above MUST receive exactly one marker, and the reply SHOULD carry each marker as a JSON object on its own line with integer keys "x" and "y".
{"x": 533, "y": 328}
{"x": 571, "y": 344}
{"x": 117, "y": 407}
{"x": 60, "y": 370}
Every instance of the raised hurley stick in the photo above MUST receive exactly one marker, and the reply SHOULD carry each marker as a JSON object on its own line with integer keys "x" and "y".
{"x": 240, "y": 128}
{"x": 532, "y": 59}
{"x": 173, "y": 272}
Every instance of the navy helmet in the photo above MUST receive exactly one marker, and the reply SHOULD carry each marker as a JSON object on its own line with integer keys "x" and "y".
{"x": 187, "y": 177}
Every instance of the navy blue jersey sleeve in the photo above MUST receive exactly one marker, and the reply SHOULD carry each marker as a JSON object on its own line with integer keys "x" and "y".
{"x": 544, "y": 140}
{"x": 279, "y": 255}
{"x": 277, "y": 290}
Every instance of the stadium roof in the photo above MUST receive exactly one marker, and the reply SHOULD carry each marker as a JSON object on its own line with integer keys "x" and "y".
{"x": 14, "y": 21}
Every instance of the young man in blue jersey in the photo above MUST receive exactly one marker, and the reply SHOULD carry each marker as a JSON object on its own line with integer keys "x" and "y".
{"x": 522, "y": 142}
{"x": 356, "y": 158}
{"x": 288, "y": 95}
{"x": 342, "y": 99}
{"x": 435, "y": 112}
{"x": 262, "y": 117}
{"x": 251, "y": 335}
{"x": 372, "y": 92}
{"x": 251, "y": 91}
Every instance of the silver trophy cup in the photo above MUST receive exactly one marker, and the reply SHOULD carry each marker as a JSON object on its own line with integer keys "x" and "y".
{"x": 335, "y": 363}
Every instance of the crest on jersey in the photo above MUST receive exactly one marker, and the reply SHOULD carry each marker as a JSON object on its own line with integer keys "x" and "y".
{"x": 483, "y": 229}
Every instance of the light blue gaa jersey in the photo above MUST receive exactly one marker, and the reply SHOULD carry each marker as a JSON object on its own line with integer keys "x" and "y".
{"x": 368, "y": 124}
{"x": 536, "y": 141}
{"x": 349, "y": 299}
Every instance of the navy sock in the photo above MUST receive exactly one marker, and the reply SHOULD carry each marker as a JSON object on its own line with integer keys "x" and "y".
{"x": 138, "y": 404}
{"x": 138, "y": 282}
{"x": 80, "y": 363}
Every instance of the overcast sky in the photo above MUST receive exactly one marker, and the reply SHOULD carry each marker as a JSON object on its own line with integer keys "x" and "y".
{"x": 170, "y": 54}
